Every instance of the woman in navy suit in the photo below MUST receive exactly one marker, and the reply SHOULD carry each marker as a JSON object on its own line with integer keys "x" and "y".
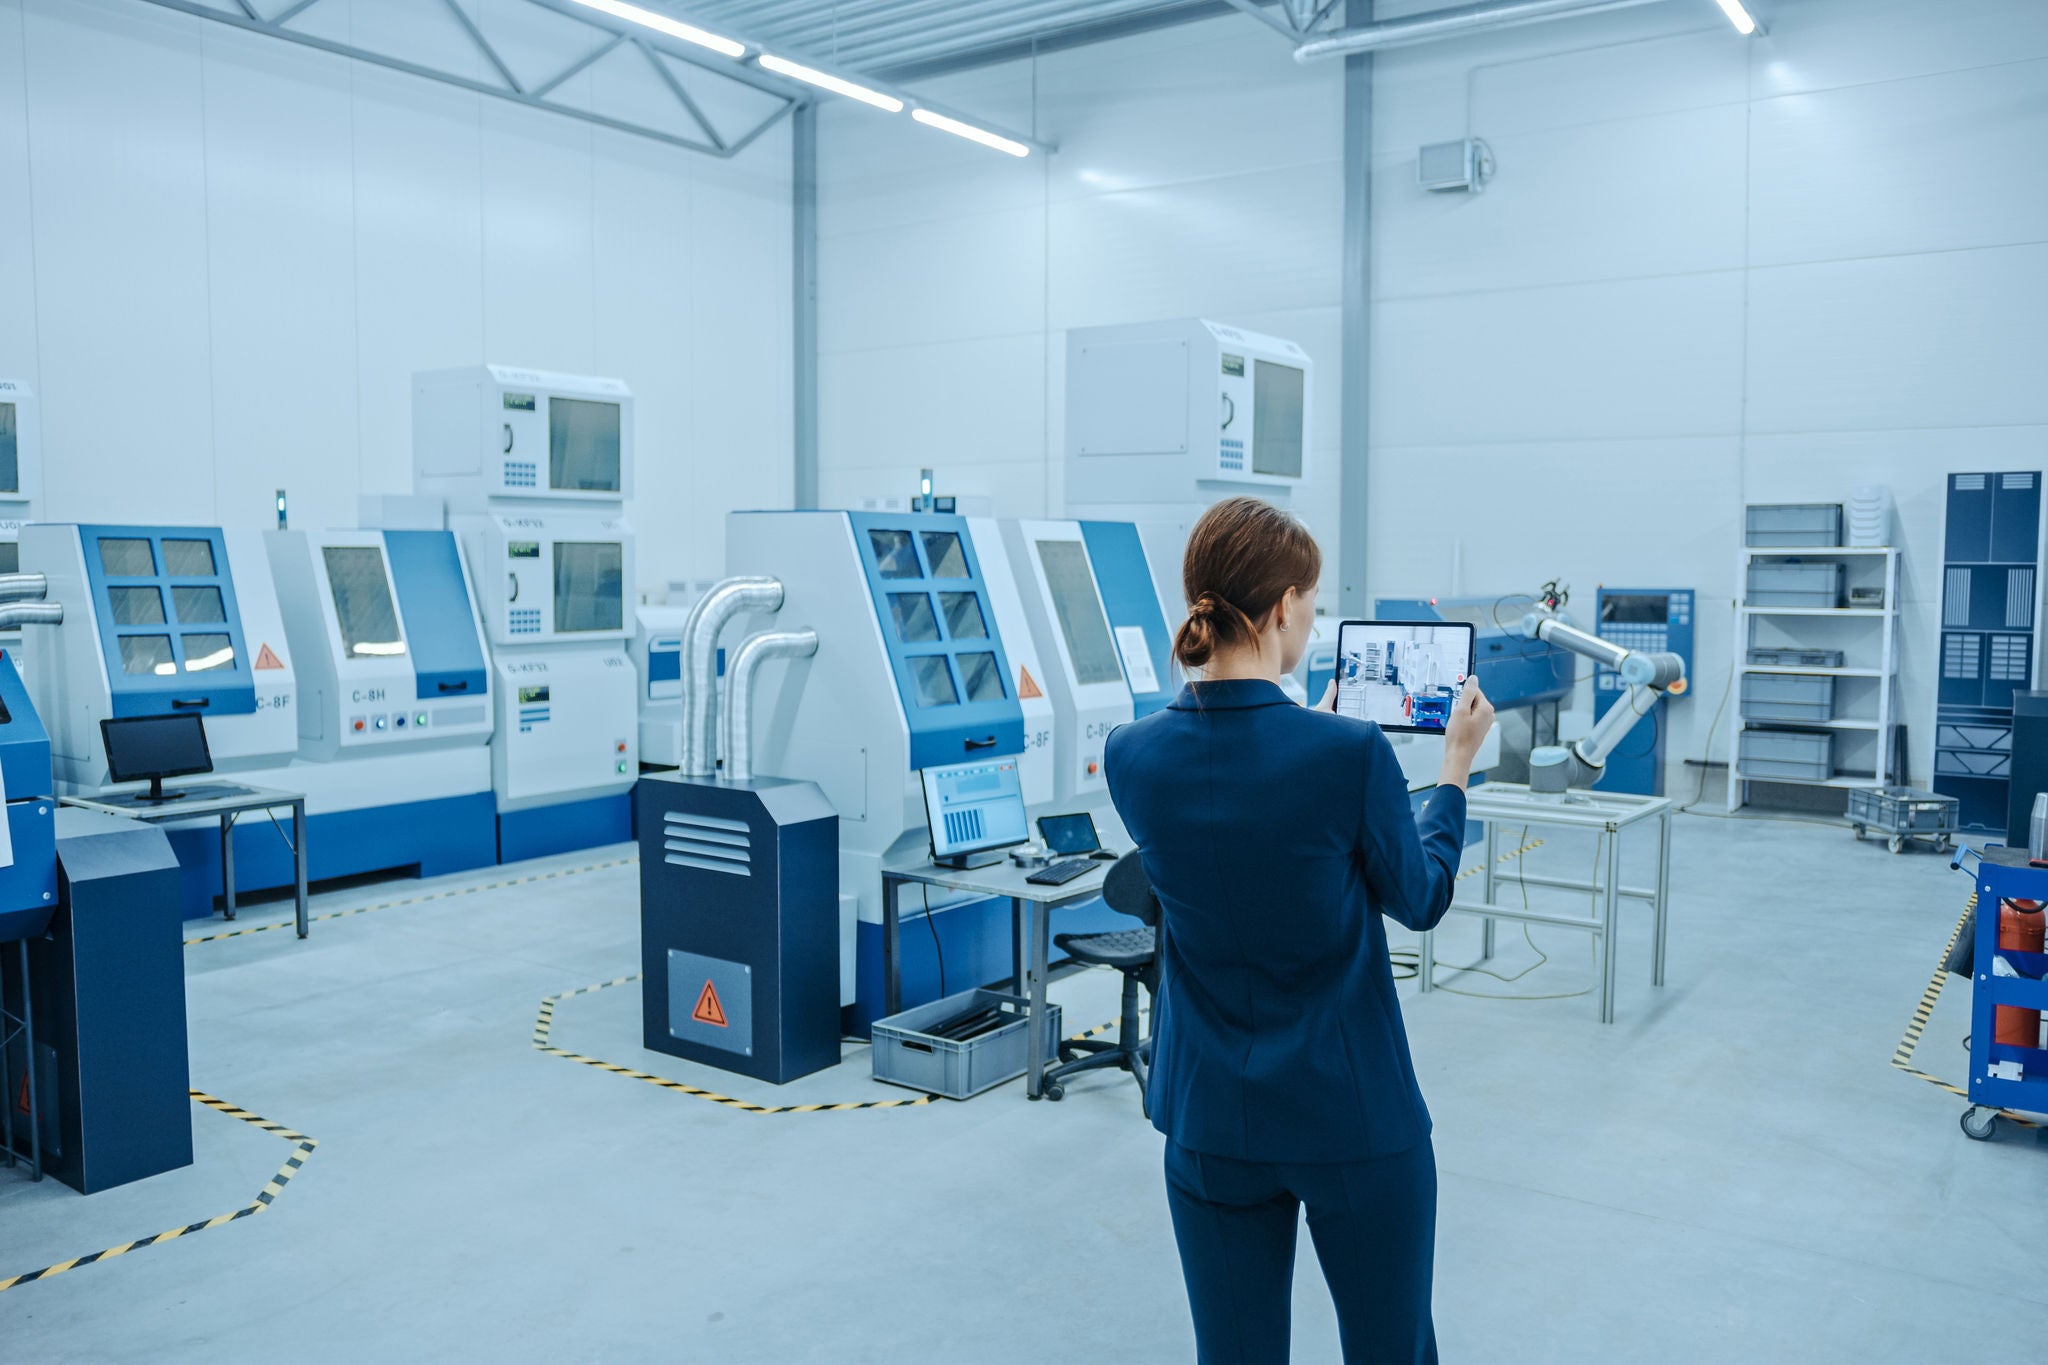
{"x": 1277, "y": 837}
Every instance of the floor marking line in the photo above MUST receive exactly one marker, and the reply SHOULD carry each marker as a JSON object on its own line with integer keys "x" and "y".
{"x": 448, "y": 894}
{"x": 543, "y": 1029}
{"x": 1903, "y": 1056}
{"x": 302, "y": 1148}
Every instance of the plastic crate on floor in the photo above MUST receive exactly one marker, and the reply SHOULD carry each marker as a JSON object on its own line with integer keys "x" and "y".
{"x": 905, "y": 1054}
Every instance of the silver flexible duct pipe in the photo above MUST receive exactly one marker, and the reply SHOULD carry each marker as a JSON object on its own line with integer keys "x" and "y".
{"x": 739, "y": 691}
{"x": 1454, "y": 23}
{"x": 14, "y": 614}
{"x": 730, "y": 598}
{"x": 23, "y": 587}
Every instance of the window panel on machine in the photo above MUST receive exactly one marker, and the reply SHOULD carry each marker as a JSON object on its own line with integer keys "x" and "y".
{"x": 982, "y": 678}
{"x": 964, "y": 620}
{"x": 188, "y": 558}
{"x": 125, "y": 557}
{"x": 934, "y": 681}
{"x": 208, "y": 653}
{"x": 137, "y": 606}
{"x": 199, "y": 606}
{"x": 362, "y": 602}
{"x": 915, "y": 624}
{"x": 583, "y": 445}
{"x": 590, "y": 585}
{"x": 942, "y": 551}
{"x": 147, "y": 655}
{"x": 895, "y": 556}
{"x": 1079, "y": 611}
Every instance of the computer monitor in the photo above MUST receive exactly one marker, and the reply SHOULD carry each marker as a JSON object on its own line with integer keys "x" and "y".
{"x": 152, "y": 748}
{"x": 975, "y": 810}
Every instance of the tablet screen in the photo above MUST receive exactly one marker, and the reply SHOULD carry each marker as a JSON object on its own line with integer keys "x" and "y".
{"x": 1403, "y": 675}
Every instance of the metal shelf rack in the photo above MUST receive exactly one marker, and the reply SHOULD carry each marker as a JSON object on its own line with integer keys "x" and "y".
{"x": 1885, "y": 620}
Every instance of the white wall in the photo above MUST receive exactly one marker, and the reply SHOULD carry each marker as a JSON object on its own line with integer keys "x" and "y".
{"x": 223, "y": 257}
{"x": 1710, "y": 271}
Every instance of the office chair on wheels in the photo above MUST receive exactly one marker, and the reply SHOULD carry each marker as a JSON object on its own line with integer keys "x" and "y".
{"x": 1135, "y": 953}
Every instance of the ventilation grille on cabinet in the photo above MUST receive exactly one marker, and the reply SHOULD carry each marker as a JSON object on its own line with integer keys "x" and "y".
{"x": 707, "y": 843}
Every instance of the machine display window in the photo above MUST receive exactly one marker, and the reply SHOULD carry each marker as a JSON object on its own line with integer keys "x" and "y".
{"x": 362, "y": 602}
{"x": 199, "y": 606}
{"x": 590, "y": 586}
{"x": 127, "y": 558}
{"x": 964, "y": 620}
{"x": 981, "y": 677}
{"x": 10, "y": 556}
{"x": 895, "y": 556}
{"x": 137, "y": 606}
{"x": 1277, "y": 397}
{"x": 1636, "y": 609}
{"x": 934, "y": 680}
{"x": 1074, "y": 601}
{"x": 188, "y": 558}
{"x": 915, "y": 624}
{"x": 583, "y": 445}
{"x": 208, "y": 653}
{"x": 147, "y": 655}
{"x": 10, "y": 451}
{"x": 943, "y": 552}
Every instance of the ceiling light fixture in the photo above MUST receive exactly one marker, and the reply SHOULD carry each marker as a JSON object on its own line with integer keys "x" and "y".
{"x": 825, "y": 80}
{"x": 1738, "y": 16}
{"x": 661, "y": 23}
{"x": 970, "y": 132}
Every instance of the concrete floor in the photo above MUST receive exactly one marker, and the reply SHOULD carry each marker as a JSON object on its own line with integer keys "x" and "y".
{"x": 1732, "y": 1172}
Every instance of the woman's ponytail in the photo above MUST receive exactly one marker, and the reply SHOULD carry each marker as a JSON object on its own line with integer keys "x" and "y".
{"x": 1242, "y": 557}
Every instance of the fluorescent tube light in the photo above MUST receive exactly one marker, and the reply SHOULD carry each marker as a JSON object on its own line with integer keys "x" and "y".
{"x": 970, "y": 132}
{"x": 1737, "y": 16}
{"x": 661, "y": 23}
{"x": 826, "y": 81}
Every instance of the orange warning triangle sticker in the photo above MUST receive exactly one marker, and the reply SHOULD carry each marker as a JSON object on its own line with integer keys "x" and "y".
{"x": 1027, "y": 686}
{"x": 708, "y": 1010}
{"x": 267, "y": 658}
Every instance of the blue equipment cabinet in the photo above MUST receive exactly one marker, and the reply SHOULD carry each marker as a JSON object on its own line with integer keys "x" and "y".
{"x": 2004, "y": 1077}
{"x": 1657, "y": 619}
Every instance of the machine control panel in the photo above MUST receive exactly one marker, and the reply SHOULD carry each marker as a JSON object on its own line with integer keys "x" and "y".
{"x": 1654, "y": 620}
{"x": 497, "y": 431}
{"x": 552, "y": 577}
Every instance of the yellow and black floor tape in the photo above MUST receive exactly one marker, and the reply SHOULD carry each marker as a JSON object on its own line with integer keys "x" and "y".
{"x": 1506, "y": 857}
{"x": 543, "y": 1030}
{"x": 302, "y": 1147}
{"x": 1902, "y": 1058}
{"x": 452, "y": 893}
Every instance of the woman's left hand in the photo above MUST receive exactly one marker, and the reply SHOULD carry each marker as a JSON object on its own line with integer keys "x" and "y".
{"x": 1329, "y": 701}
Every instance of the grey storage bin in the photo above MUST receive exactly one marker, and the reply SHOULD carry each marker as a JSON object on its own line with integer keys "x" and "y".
{"x": 904, "y": 1054}
{"x": 1801, "y": 698}
{"x": 1797, "y": 658}
{"x": 1795, "y": 584}
{"x": 1786, "y": 755}
{"x": 1902, "y": 810}
{"x": 1797, "y": 524}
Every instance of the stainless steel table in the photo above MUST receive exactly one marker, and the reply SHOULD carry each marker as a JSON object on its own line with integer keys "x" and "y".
{"x": 222, "y": 801}
{"x": 1031, "y": 910}
{"x": 1606, "y": 813}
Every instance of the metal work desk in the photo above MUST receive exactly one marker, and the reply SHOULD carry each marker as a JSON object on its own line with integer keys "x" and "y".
{"x": 1031, "y": 910}
{"x": 224, "y": 801}
{"x": 1607, "y": 813}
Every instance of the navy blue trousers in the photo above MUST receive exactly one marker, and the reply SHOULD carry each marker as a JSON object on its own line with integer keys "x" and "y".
{"x": 1374, "y": 1227}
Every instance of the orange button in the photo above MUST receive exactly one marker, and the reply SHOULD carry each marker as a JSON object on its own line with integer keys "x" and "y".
{"x": 359, "y": 725}
{"x": 1091, "y": 770}
{"x": 622, "y": 746}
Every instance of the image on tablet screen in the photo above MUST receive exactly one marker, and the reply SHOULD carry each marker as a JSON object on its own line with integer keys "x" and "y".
{"x": 1401, "y": 675}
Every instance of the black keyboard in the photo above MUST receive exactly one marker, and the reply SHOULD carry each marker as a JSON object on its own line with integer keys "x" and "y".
{"x": 1062, "y": 872}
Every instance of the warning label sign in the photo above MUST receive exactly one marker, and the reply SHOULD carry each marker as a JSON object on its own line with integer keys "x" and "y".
{"x": 266, "y": 657}
{"x": 1027, "y": 686}
{"x": 708, "y": 1010}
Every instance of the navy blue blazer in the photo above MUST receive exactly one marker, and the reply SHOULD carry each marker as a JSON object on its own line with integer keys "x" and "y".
{"x": 1276, "y": 836}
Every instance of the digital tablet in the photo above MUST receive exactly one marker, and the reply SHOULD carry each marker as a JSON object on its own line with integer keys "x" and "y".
{"x": 1404, "y": 676}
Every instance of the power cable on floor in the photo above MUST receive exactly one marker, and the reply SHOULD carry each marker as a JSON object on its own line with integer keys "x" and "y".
{"x": 937, "y": 947}
{"x": 1592, "y": 958}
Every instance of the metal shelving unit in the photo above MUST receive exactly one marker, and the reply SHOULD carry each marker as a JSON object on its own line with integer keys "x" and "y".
{"x": 1857, "y": 664}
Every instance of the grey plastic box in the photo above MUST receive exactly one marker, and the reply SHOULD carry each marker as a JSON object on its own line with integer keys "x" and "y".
{"x": 1795, "y": 584}
{"x": 1786, "y": 755}
{"x": 1797, "y": 658}
{"x": 1903, "y": 810}
{"x": 1801, "y": 698}
{"x": 1796, "y": 524}
{"x": 904, "y": 1054}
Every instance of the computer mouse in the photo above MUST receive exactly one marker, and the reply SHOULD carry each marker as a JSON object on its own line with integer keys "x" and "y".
{"x": 1105, "y": 855}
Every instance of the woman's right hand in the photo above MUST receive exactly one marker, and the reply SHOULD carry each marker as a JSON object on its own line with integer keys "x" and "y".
{"x": 1471, "y": 720}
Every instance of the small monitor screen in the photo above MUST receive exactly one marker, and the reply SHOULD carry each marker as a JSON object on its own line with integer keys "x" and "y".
{"x": 1636, "y": 609}
{"x": 583, "y": 446}
{"x": 1069, "y": 834}
{"x": 142, "y": 747}
{"x": 590, "y": 585}
{"x": 362, "y": 602}
{"x": 1402, "y": 675}
{"x": 10, "y": 450}
{"x": 975, "y": 806}
{"x": 1277, "y": 396}
{"x": 1074, "y": 601}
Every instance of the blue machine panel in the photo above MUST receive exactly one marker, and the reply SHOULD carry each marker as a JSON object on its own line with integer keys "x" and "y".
{"x": 1658, "y": 619}
{"x": 169, "y": 624}
{"x": 933, "y": 607}
{"x": 440, "y": 626}
{"x": 1988, "y": 596}
{"x": 24, "y": 743}
{"x": 1124, "y": 578}
{"x": 1514, "y": 670}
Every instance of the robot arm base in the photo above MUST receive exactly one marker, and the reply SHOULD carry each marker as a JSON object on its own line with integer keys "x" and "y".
{"x": 1553, "y": 769}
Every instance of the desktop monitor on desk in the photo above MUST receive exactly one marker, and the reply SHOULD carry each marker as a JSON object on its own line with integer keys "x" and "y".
{"x": 976, "y": 810}
{"x": 152, "y": 748}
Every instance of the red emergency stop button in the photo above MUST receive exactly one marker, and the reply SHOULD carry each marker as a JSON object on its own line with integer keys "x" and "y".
{"x": 1091, "y": 769}
{"x": 359, "y": 727}
{"x": 622, "y": 746}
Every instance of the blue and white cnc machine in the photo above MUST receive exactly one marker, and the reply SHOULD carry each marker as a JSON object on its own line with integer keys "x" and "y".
{"x": 534, "y": 469}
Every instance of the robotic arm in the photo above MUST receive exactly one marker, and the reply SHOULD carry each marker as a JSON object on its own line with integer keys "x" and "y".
{"x": 1650, "y": 678}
